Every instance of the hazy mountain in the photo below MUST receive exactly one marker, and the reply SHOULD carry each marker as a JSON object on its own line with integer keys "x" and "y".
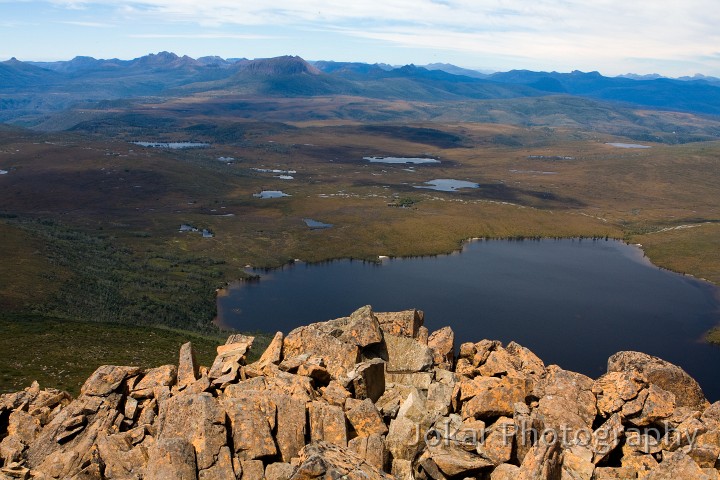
{"x": 635, "y": 76}
{"x": 455, "y": 70}
{"x": 29, "y": 89}
{"x": 16, "y": 74}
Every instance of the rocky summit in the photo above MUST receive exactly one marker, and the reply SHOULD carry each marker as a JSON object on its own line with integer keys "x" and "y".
{"x": 369, "y": 396}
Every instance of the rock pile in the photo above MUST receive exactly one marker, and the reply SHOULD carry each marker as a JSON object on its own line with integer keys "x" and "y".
{"x": 369, "y": 396}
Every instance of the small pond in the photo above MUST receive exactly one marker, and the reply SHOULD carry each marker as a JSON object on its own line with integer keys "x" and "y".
{"x": 315, "y": 225}
{"x": 401, "y": 160}
{"x": 573, "y": 302}
{"x": 273, "y": 170}
{"x": 4, "y": 172}
{"x": 447, "y": 185}
{"x": 628, "y": 145}
{"x": 172, "y": 145}
{"x": 270, "y": 194}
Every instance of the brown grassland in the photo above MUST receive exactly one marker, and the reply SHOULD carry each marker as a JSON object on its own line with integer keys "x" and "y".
{"x": 89, "y": 227}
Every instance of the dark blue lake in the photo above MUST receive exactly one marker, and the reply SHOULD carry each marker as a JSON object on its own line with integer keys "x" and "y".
{"x": 572, "y": 302}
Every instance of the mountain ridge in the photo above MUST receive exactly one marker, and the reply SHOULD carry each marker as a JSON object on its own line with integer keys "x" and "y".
{"x": 55, "y": 86}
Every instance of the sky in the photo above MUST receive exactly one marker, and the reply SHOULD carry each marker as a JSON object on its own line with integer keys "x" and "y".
{"x": 669, "y": 37}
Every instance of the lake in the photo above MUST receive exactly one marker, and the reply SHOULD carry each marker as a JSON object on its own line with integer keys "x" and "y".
{"x": 572, "y": 302}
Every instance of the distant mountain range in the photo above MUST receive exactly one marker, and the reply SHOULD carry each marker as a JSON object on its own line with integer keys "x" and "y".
{"x": 28, "y": 89}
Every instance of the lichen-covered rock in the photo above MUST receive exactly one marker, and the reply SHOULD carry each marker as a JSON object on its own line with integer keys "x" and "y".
{"x": 339, "y": 349}
{"x": 659, "y": 405}
{"x": 273, "y": 353}
{"x": 453, "y": 460}
{"x": 566, "y": 402}
{"x": 188, "y": 368}
{"x": 678, "y": 466}
{"x": 614, "y": 389}
{"x": 327, "y": 423}
{"x": 406, "y": 355}
{"x": 498, "y": 399}
{"x": 364, "y": 417}
{"x": 543, "y": 462}
{"x": 401, "y": 324}
{"x": 664, "y": 374}
{"x": 279, "y": 471}
{"x": 320, "y": 460}
{"x": 107, "y": 379}
{"x": 371, "y": 448}
{"x": 164, "y": 376}
{"x": 252, "y": 420}
{"x": 171, "y": 458}
{"x": 442, "y": 343}
{"x": 499, "y": 441}
{"x": 200, "y": 419}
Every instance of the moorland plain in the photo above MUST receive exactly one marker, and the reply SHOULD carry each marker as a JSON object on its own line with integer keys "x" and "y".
{"x": 90, "y": 221}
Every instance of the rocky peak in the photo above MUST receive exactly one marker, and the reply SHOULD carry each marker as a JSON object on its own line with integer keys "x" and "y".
{"x": 285, "y": 65}
{"x": 368, "y": 396}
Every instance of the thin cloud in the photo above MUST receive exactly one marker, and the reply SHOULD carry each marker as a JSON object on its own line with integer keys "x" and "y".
{"x": 239, "y": 36}
{"x": 564, "y": 32}
{"x": 88, "y": 24}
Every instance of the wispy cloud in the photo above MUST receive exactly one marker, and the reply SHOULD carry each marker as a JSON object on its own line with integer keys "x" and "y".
{"x": 88, "y": 24}
{"x": 563, "y": 31}
{"x": 239, "y": 36}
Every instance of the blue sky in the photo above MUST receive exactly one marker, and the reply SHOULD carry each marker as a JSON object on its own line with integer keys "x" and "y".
{"x": 673, "y": 38}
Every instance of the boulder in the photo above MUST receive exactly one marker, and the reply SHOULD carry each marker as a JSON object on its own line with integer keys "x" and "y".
{"x": 526, "y": 360}
{"x": 401, "y": 324}
{"x": 614, "y": 389}
{"x": 252, "y": 469}
{"x": 171, "y": 458}
{"x": 107, "y": 379}
{"x": 372, "y": 449}
{"x": 498, "y": 399}
{"x": 543, "y": 462}
{"x": 164, "y": 376}
{"x": 659, "y": 405}
{"x": 320, "y": 460}
{"x": 252, "y": 420}
{"x": 291, "y": 424}
{"x": 364, "y": 417}
{"x": 273, "y": 353}
{"x": 335, "y": 394}
{"x": 279, "y": 471}
{"x": 199, "y": 419}
{"x": 505, "y": 471}
{"x": 407, "y": 355}
{"x": 368, "y": 379}
{"x": 419, "y": 380}
{"x": 678, "y": 466}
{"x": 339, "y": 355}
{"x": 442, "y": 343}
{"x": 327, "y": 423}
{"x": 567, "y": 405}
{"x": 606, "y": 438}
{"x": 188, "y": 369}
{"x": 499, "y": 442}
{"x": 453, "y": 460}
{"x": 229, "y": 358}
{"x": 664, "y": 374}
{"x": 405, "y": 438}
